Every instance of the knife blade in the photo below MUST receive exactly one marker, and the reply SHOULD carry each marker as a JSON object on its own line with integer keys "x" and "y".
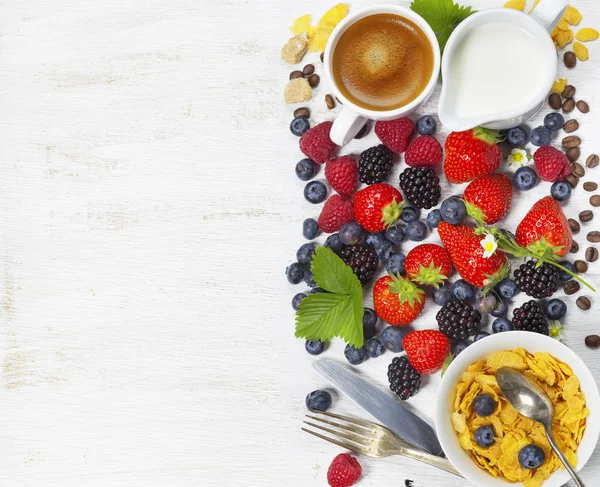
{"x": 406, "y": 424}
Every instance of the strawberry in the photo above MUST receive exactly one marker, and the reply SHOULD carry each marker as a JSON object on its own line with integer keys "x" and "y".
{"x": 336, "y": 212}
{"x": 378, "y": 206}
{"x": 471, "y": 153}
{"x": 316, "y": 144}
{"x": 467, "y": 254}
{"x": 426, "y": 350}
{"x": 395, "y": 134}
{"x": 423, "y": 151}
{"x": 545, "y": 230}
{"x": 488, "y": 198}
{"x": 342, "y": 175}
{"x": 551, "y": 164}
{"x": 428, "y": 264}
{"x": 397, "y": 300}
{"x": 344, "y": 471}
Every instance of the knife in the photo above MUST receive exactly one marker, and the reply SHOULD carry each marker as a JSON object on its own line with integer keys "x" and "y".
{"x": 406, "y": 424}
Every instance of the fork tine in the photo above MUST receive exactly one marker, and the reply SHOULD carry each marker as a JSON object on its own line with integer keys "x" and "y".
{"x": 344, "y": 434}
{"x": 358, "y": 424}
{"x": 344, "y": 444}
{"x": 348, "y": 427}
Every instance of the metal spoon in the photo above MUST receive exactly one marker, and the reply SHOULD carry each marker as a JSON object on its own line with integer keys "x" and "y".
{"x": 531, "y": 401}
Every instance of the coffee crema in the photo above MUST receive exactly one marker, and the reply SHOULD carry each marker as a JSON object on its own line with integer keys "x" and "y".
{"x": 382, "y": 62}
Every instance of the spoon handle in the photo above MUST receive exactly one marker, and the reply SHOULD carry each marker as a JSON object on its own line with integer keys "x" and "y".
{"x": 560, "y": 455}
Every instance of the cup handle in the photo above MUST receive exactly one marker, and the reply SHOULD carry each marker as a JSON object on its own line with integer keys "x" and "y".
{"x": 549, "y": 12}
{"x": 347, "y": 124}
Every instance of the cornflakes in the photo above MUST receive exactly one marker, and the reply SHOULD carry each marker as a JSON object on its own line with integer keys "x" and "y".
{"x": 516, "y": 4}
{"x": 558, "y": 87}
{"x": 301, "y": 25}
{"x": 572, "y": 15}
{"x": 587, "y": 34}
{"x": 581, "y": 51}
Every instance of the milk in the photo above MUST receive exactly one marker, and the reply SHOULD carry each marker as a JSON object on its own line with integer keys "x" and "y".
{"x": 494, "y": 69}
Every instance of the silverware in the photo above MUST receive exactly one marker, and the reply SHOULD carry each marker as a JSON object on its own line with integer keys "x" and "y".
{"x": 531, "y": 401}
{"x": 406, "y": 424}
{"x": 369, "y": 439}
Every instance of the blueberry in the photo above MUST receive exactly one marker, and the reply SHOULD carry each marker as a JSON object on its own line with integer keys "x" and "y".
{"x": 306, "y": 169}
{"x": 310, "y": 229}
{"x": 541, "y": 136}
{"x": 395, "y": 234}
{"x": 315, "y": 192}
{"x": 395, "y": 264}
{"x": 462, "y": 290}
{"x": 565, "y": 276}
{"x": 375, "y": 239}
{"x": 480, "y": 335}
{"x": 500, "y": 309}
{"x": 309, "y": 279}
{"x": 531, "y": 457}
{"x": 362, "y": 132}
{"x": 318, "y": 400}
{"x": 305, "y": 253}
{"x": 295, "y": 273}
{"x": 484, "y": 405}
{"x": 555, "y": 309}
{"x": 524, "y": 178}
{"x": 560, "y": 191}
{"x": 459, "y": 347}
{"x": 355, "y": 356}
{"x": 375, "y": 348}
{"x": 507, "y": 288}
{"x": 384, "y": 251}
{"x": 317, "y": 290}
{"x": 434, "y": 218}
{"x": 516, "y": 137}
{"x": 392, "y": 337}
{"x": 351, "y": 233}
{"x": 369, "y": 323}
{"x": 334, "y": 243}
{"x": 442, "y": 295}
{"x": 416, "y": 231}
{"x": 554, "y": 121}
{"x": 426, "y": 125}
{"x": 484, "y": 436}
{"x": 299, "y": 126}
{"x": 453, "y": 210}
{"x": 502, "y": 324}
{"x": 486, "y": 303}
{"x": 314, "y": 347}
{"x": 297, "y": 299}
{"x": 409, "y": 214}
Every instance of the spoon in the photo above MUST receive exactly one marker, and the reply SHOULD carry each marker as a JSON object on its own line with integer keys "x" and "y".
{"x": 531, "y": 401}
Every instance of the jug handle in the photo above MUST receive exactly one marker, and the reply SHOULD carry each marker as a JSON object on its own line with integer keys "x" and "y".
{"x": 549, "y": 12}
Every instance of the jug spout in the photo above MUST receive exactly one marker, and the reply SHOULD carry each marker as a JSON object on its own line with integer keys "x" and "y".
{"x": 549, "y": 12}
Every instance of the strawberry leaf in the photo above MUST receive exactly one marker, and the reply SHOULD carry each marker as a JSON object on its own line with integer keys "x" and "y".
{"x": 331, "y": 273}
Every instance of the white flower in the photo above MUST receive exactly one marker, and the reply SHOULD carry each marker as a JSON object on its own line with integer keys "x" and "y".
{"x": 555, "y": 330}
{"x": 489, "y": 245}
{"x": 518, "y": 157}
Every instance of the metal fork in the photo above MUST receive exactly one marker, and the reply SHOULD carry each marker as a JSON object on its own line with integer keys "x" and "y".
{"x": 369, "y": 439}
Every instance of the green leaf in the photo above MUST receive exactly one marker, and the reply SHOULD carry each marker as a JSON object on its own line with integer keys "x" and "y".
{"x": 320, "y": 316}
{"x": 331, "y": 273}
{"x": 442, "y": 15}
{"x": 351, "y": 329}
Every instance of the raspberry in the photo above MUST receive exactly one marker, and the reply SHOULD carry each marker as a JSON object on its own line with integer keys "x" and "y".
{"x": 551, "y": 164}
{"x": 423, "y": 151}
{"x": 316, "y": 144}
{"x": 342, "y": 175}
{"x": 335, "y": 213}
{"x": 344, "y": 471}
{"x": 395, "y": 134}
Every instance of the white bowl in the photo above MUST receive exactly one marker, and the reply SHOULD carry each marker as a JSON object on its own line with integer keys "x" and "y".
{"x": 532, "y": 342}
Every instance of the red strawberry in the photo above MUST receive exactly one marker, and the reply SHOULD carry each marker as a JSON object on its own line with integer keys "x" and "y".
{"x": 344, "y": 471}
{"x": 426, "y": 350}
{"x": 545, "y": 229}
{"x": 378, "y": 206}
{"x": 395, "y": 134}
{"x": 470, "y": 154}
{"x": 488, "y": 198}
{"x": 423, "y": 151}
{"x": 466, "y": 252}
{"x": 336, "y": 212}
{"x": 397, "y": 300}
{"x": 428, "y": 264}
{"x": 342, "y": 175}
{"x": 551, "y": 164}
{"x": 316, "y": 144}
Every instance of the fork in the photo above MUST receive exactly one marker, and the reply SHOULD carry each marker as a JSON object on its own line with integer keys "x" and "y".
{"x": 370, "y": 439}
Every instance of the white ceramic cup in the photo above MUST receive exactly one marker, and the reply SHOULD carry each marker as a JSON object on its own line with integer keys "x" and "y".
{"x": 353, "y": 117}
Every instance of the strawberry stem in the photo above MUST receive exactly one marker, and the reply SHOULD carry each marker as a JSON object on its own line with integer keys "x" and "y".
{"x": 391, "y": 213}
{"x": 406, "y": 290}
{"x": 488, "y": 136}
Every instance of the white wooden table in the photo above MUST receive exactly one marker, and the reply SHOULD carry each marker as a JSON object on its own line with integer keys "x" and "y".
{"x": 148, "y": 208}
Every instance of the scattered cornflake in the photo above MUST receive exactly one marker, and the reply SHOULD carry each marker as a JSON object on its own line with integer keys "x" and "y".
{"x": 587, "y": 34}
{"x": 572, "y": 15}
{"x": 333, "y": 16}
{"x": 516, "y": 4}
{"x": 559, "y": 85}
{"x": 563, "y": 24}
{"x": 535, "y": 4}
{"x": 301, "y": 24}
{"x": 581, "y": 51}
{"x": 563, "y": 37}
{"x": 313, "y": 39}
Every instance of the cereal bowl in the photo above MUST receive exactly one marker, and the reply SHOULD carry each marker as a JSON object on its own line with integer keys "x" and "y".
{"x": 531, "y": 342}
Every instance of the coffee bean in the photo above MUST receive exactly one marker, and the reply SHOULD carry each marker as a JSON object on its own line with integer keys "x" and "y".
{"x": 571, "y": 126}
{"x": 582, "y": 106}
{"x": 296, "y": 74}
{"x": 583, "y": 302}
{"x": 574, "y": 247}
{"x": 592, "y": 341}
{"x": 555, "y": 101}
{"x": 569, "y": 105}
{"x": 592, "y": 161}
{"x": 302, "y": 112}
{"x": 571, "y": 287}
{"x": 581, "y": 266}
{"x": 575, "y": 226}
{"x": 591, "y": 254}
{"x": 572, "y": 180}
{"x": 593, "y": 237}
{"x": 314, "y": 80}
{"x": 570, "y": 59}
{"x": 595, "y": 200}
{"x": 330, "y": 102}
{"x": 586, "y": 216}
{"x": 590, "y": 186}
{"x": 573, "y": 154}
{"x": 571, "y": 141}
{"x": 569, "y": 92}
{"x": 308, "y": 69}
{"x": 322, "y": 57}
{"x": 577, "y": 170}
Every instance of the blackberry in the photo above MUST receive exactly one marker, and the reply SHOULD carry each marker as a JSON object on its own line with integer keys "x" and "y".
{"x": 405, "y": 381}
{"x": 539, "y": 282}
{"x": 362, "y": 259}
{"x": 421, "y": 186}
{"x": 458, "y": 320}
{"x": 375, "y": 164}
{"x": 530, "y": 317}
